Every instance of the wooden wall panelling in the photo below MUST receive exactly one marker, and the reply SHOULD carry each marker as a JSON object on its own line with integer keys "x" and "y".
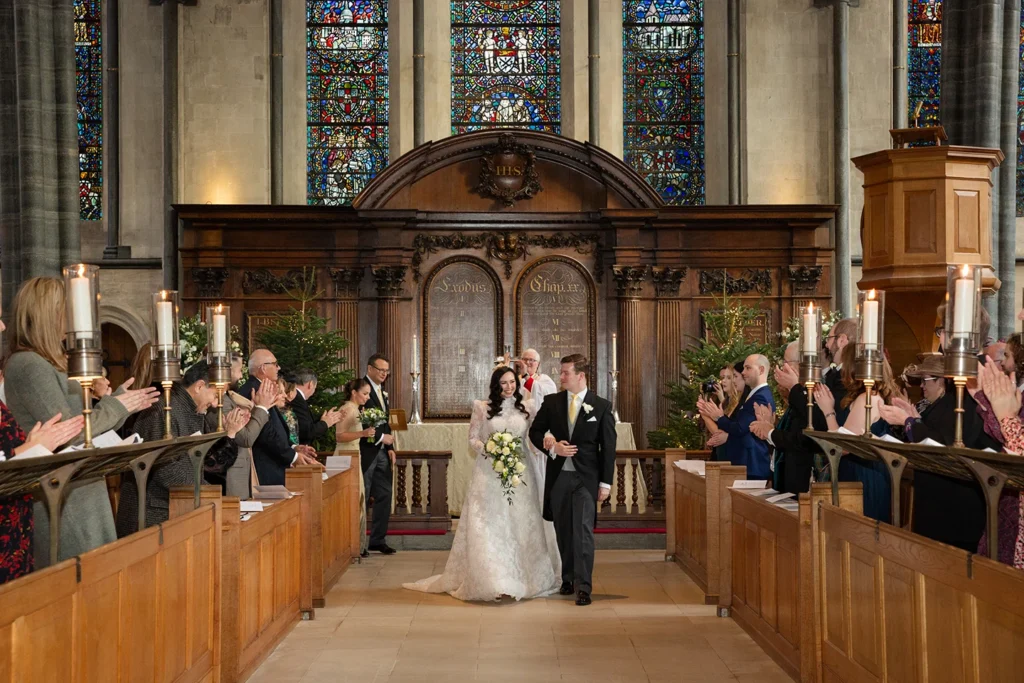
{"x": 142, "y": 608}
{"x": 900, "y": 607}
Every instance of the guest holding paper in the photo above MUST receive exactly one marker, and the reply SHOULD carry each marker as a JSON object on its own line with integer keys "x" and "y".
{"x": 743, "y": 447}
{"x": 38, "y": 388}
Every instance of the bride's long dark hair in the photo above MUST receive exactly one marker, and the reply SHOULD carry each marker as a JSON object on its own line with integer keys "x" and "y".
{"x": 495, "y": 400}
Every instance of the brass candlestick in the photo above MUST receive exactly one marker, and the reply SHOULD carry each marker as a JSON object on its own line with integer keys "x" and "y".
{"x": 220, "y": 378}
{"x": 85, "y": 352}
{"x": 868, "y": 386}
{"x": 810, "y": 346}
{"x": 958, "y": 434}
{"x": 167, "y": 408}
{"x": 414, "y": 414}
{"x": 87, "y": 410}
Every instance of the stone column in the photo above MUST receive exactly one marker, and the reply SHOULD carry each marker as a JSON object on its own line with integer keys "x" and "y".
{"x": 629, "y": 282}
{"x": 389, "y": 280}
{"x": 669, "y": 329}
{"x": 841, "y": 151}
{"x": 346, "y": 318}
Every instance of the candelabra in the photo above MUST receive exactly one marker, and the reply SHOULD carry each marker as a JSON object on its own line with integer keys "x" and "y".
{"x": 961, "y": 334}
{"x": 615, "y": 394}
{"x": 85, "y": 351}
{"x": 218, "y": 355}
{"x": 414, "y": 414}
{"x": 870, "y": 333}
{"x": 166, "y": 351}
{"x": 810, "y": 366}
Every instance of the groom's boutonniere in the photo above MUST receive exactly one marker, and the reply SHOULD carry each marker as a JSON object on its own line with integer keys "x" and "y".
{"x": 385, "y": 394}
{"x": 587, "y": 408}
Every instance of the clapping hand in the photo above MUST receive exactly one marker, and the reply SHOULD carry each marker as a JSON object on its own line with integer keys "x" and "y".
{"x": 266, "y": 395}
{"x": 906, "y": 406}
{"x": 824, "y": 398}
{"x": 1001, "y": 390}
{"x": 52, "y": 433}
{"x": 893, "y": 414}
{"x": 764, "y": 413}
{"x": 234, "y": 421}
{"x": 761, "y": 429}
{"x": 307, "y": 456}
{"x": 709, "y": 410}
{"x": 331, "y": 417}
{"x": 717, "y": 439}
{"x": 786, "y": 377}
{"x": 135, "y": 400}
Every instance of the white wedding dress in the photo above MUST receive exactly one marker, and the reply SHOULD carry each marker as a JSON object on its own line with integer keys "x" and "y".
{"x": 500, "y": 549}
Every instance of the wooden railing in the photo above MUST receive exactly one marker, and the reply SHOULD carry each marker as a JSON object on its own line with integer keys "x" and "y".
{"x": 638, "y": 492}
{"x": 421, "y": 502}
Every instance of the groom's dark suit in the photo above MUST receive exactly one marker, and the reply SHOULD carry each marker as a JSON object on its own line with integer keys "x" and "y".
{"x": 570, "y": 496}
{"x": 376, "y": 465}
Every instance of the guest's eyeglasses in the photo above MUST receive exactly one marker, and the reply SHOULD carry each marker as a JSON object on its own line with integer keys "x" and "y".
{"x": 272, "y": 362}
{"x": 530, "y": 361}
{"x": 383, "y": 371}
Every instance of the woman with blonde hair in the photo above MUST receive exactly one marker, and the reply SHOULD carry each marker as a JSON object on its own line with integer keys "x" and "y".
{"x": 38, "y": 388}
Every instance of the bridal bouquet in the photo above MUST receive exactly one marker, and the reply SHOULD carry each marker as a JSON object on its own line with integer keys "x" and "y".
{"x": 507, "y": 452}
{"x": 372, "y": 417}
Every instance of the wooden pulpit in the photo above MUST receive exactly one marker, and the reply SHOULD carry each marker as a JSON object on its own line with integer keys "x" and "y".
{"x": 924, "y": 208}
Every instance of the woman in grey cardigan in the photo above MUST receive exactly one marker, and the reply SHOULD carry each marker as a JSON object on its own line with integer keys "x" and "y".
{"x": 38, "y": 388}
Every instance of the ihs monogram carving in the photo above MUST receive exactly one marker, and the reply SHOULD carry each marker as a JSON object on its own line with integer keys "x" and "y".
{"x": 508, "y": 171}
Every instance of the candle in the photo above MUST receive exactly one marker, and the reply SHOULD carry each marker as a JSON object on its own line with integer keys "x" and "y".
{"x": 963, "y": 304}
{"x": 869, "y": 321}
{"x": 615, "y": 354}
{"x": 219, "y": 343}
{"x": 415, "y": 353}
{"x": 164, "y": 322}
{"x": 80, "y": 298}
{"x": 810, "y": 340}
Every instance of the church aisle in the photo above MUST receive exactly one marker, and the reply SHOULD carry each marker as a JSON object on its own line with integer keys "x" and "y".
{"x": 648, "y": 623}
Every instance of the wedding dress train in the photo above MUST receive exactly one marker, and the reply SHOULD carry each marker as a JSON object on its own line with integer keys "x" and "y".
{"x": 500, "y": 549}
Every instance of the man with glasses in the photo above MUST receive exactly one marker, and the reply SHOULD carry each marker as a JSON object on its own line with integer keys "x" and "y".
{"x": 272, "y": 452}
{"x": 377, "y": 456}
{"x": 538, "y": 384}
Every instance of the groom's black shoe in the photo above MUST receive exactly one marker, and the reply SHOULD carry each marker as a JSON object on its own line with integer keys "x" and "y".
{"x": 566, "y": 588}
{"x": 383, "y": 549}
{"x": 583, "y": 598}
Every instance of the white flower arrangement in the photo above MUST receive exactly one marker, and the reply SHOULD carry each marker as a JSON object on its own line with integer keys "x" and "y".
{"x": 192, "y": 340}
{"x": 372, "y": 417}
{"x": 506, "y": 451}
{"x": 587, "y": 408}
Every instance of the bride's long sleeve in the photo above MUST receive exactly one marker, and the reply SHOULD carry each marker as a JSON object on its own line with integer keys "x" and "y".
{"x": 478, "y": 427}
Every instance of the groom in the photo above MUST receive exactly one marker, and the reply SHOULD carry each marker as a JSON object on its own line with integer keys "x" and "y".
{"x": 579, "y": 471}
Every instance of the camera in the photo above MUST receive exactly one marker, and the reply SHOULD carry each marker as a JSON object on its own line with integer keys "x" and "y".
{"x": 708, "y": 388}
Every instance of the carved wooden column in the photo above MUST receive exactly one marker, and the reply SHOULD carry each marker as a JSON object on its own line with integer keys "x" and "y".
{"x": 669, "y": 329}
{"x": 346, "y": 318}
{"x": 389, "y": 280}
{"x": 628, "y": 285}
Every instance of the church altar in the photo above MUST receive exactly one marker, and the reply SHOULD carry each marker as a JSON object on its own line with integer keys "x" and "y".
{"x": 454, "y": 436}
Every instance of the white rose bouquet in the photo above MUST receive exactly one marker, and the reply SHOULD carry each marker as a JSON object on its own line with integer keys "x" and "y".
{"x": 506, "y": 452}
{"x": 372, "y": 417}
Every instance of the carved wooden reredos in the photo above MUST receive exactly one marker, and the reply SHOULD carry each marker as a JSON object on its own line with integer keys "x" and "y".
{"x": 509, "y": 201}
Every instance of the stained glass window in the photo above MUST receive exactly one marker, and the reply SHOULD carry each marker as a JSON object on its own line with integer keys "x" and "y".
{"x": 663, "y": 95}
{"x": 506, "y": 65}
{"x": 89, "y": 93}
{"x": 346, "y": 97}
{"x": 1020, "y": 122}
{"x": 924, "y": 59}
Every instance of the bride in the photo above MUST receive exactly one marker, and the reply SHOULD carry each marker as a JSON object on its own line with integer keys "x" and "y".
{"x": 500, "y": 549}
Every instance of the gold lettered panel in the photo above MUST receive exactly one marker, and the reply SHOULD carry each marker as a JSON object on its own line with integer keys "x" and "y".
{"x": 462, "y": 333}
{"x": 254, "y": 322}
{"x": 556, "y": 312}
{"x": 756, "y": 331}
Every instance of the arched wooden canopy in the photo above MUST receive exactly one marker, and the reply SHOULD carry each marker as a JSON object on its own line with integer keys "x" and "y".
{"x": 574, "y": 176}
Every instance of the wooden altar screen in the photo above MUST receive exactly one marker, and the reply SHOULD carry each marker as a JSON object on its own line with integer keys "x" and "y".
{"x": 652, "y": 268}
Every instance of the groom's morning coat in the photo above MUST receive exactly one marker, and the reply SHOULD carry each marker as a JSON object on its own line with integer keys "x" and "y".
{"x": 593, "y": 436}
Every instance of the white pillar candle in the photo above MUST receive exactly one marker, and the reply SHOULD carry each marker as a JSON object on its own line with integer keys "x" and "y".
{"x": 810, "y": 340}
{"x": 869, "y": 320}
{"x": 963, "y": 304}
{"x": 415, "y": 353}
{"x": 615, "y": 352}
{"x": 219, "y": 343}
{"x": 81, "y": 306}
{"x": 164, "y": 323}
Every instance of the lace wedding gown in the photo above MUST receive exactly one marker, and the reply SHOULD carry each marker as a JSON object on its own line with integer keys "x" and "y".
{"x": 500, "y": 549}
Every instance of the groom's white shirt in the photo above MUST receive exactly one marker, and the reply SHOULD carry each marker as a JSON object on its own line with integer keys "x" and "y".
{"x": 579, "y": 411}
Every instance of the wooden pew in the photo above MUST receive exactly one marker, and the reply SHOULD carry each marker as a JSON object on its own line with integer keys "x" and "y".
{"x": 265, "y": 578}
{"x": 334, "y": 522}
{"x": 896, "y": 606}
{"x": 699, "y": 521}
{"x": 144, "y": 608}
{"x": 771, "y": 592}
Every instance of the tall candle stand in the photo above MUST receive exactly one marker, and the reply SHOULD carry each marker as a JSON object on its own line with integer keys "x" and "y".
{"x": 166, "y": 356}
{"x": 414, "y": 414}
{"x": 85, "y": 352}
{"x": 870, "y": 358}
{"x": 810, "y": 367}
{"x": 961, "y": 335}
{"x": 615, "y": 394}
{"x": 218, "y": 354}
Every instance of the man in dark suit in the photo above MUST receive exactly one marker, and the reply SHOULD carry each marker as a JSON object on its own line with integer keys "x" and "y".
{"x": 272, "y": 452}
{"x": 377, "y": 458}
{"x": 311, "y": 427}
{"x": 579, "y": 470}
{"x": 743, "y": 447}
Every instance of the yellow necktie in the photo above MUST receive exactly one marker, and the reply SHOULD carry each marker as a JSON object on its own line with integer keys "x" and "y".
{"x": 380, "y": 397}
{"x": 572, "y": 408}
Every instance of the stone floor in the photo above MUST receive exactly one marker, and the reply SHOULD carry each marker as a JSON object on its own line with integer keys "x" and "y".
{"x": 648, "y": 623}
